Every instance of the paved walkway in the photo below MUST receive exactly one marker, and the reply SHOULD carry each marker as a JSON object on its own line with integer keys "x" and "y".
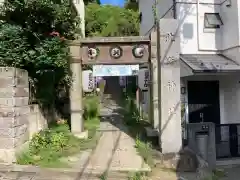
{"x": 115, "y": 150}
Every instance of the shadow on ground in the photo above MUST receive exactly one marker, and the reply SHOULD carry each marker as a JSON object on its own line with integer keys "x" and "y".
{"x": 171, "y": 166}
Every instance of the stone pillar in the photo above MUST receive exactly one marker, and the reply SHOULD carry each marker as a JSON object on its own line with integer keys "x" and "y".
{"x": 170, "y": 115}
{"x": 14, "y": 111}
{"x": 166, "y": 85}
{"x": 76, "y": 104}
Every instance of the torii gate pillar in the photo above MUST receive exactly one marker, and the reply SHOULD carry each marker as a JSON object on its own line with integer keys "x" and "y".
{"x": 76, "y": 104}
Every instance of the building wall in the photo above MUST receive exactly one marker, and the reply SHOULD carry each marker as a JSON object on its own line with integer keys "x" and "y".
{"x": 164, "y": 10}
{"x": 79, "y": 4}
{"x": 229, "y": 95}
{"x": 194, "y": 37}
{"x": 230, "y": 30}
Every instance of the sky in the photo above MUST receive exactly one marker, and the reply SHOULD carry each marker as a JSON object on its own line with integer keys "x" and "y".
{"x": 113, "y": 2}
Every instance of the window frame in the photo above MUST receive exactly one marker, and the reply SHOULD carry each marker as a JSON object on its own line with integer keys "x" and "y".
{"x": 207, "y": 25}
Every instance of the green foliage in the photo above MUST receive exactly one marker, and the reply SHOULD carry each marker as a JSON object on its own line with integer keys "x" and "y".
{"x": 145, "y": 150}
{"x": 137, "y": 176}
{"x": 86, "y": 2}
{"x": 41, "y": 17}
{"x": 91, "y": 107}
{"x": 91, "y": 115}
{"x": 102, "y": 85}
{"x": 48, "y": 139}
{"x": 13, "y": 46}
{"x": 32, "y": 37}
{"x": 131, "y": 4}
{"x": 48, "y": 146}
{"x": 16, "y": 51}
{"x": 103, "y": 176}
{"x": 132, "y": 112}
{"x": 106, "y": 20}
{"x": 136, "y": 126}
{"x": 217, "y": 174}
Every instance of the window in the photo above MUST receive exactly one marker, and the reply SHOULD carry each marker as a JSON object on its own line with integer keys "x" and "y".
{"x": 212, "y": 20}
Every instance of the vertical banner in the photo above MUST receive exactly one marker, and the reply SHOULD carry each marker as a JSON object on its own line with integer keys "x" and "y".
{"x": 143, "y": 78}
{"x": 88, "y": 81}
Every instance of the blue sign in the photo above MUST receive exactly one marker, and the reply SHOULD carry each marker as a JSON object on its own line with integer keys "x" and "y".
{"x": 115, "y": 70}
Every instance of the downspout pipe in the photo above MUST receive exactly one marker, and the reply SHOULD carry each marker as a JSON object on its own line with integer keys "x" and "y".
{"x": 198, "y": 38}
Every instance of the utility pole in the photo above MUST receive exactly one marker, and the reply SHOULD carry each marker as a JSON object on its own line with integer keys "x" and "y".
{"x": 155, "y": 72}
{"x": 158, "y": 72}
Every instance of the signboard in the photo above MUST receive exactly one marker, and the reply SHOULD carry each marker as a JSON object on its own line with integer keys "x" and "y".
{"x": 143, "y": 78}
{"x": 88, "y": 81}
{"x": 115, "y": 70}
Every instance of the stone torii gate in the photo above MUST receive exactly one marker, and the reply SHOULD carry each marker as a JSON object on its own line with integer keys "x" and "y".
{"x": 164, "y": 86}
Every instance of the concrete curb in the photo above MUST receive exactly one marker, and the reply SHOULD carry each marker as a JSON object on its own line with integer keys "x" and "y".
{"x": 36, "y": 169}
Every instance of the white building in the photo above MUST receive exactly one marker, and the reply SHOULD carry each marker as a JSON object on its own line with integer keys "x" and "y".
{"x": 209, "y": 32}
{"x": 80, "y": 7}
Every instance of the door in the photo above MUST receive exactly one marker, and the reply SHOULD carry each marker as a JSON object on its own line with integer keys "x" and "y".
{"x": 203, "y": 101}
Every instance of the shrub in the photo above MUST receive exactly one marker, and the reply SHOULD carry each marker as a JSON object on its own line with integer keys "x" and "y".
{"x": 91, "y": 107}
{"x": 131, "y": 112}
{"x": 145, "y": 150}
{"x": 54, "y": 140}
{"x": 48, "y": 146}
{"x": 137, "y": 176}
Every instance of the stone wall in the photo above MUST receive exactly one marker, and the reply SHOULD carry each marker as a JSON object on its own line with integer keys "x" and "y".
{"x": 18, "y": 120}
{"x": 36, "y": 120}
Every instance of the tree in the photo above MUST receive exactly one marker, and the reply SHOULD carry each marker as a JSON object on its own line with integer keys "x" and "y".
{"x": 32, "y": 37}
{"x": 131, "y": 4}
{"x": 86, "y": 2}
{"x": 38, "y": 18}
{"x": 107, "y": 20}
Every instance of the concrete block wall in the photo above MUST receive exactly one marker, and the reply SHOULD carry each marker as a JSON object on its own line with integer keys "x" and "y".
{"x": 18, "y": 120}
{"x": 14, "y": 93}
{"x": 36, "y": 120}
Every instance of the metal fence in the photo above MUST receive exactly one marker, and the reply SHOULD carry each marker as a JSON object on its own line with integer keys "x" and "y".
{"x": 227, "y": 140}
